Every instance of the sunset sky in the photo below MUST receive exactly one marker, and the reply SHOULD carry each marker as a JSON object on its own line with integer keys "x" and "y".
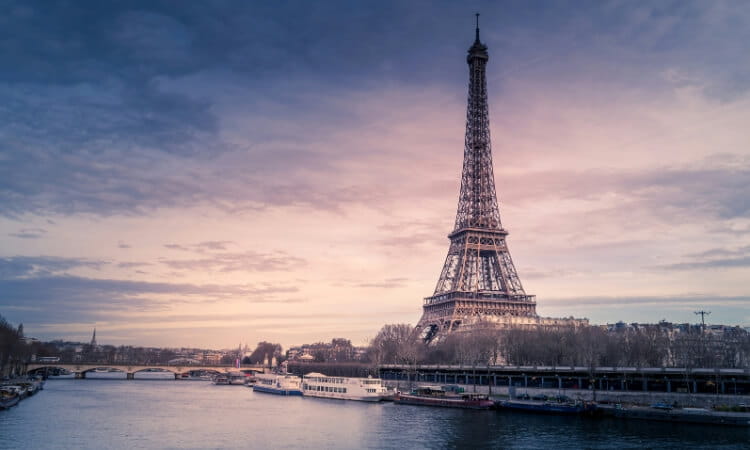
{"x": 210, "y": 173}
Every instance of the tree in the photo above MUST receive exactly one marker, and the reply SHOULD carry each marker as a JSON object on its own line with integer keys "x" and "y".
{"x": 264, "y": 349}
{"x": 395, "y": 344}
{"x": 13, "y": 350}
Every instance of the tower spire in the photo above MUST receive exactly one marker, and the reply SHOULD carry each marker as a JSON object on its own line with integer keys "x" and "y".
{"x": 477, "y": 39}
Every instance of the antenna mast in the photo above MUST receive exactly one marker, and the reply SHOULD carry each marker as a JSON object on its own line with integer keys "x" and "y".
{"x": 703, "y": 315}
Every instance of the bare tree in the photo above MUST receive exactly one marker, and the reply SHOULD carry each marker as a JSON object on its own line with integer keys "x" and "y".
{"x": 395, "y": 344}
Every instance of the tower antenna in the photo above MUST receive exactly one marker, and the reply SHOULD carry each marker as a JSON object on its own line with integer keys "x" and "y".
{"x": 477, "y": 14}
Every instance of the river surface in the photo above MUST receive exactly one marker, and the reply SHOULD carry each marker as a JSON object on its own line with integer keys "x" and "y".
{"x": 159, "y": 413}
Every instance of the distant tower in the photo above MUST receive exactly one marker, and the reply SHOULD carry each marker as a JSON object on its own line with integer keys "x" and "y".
{"x": 478, "y": 281}
{"x": 93, "y": 338}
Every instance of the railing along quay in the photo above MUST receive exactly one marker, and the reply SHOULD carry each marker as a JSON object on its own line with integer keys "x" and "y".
{"x": 728, "y": 381}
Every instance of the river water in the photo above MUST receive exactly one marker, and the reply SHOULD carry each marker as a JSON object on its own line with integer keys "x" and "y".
{"x": 159, "y": 413}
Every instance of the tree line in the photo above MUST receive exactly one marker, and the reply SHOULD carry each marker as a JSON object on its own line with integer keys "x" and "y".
{"x": 592, "y": 346}
{"x": 14, "y": 351}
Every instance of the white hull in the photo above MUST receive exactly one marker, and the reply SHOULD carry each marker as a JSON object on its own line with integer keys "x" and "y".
{"x": 344, "y": 396}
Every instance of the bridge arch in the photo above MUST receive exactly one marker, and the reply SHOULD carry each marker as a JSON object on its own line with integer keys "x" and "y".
{"x": 158, "y": 369}
{"x": 45, "y": 369}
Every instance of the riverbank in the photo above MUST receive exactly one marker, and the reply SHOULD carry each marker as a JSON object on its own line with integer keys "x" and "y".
{"x": 622, "y": 397}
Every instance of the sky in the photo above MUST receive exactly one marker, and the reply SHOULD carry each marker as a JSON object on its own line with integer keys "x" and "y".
{"x": 205, "y": 174}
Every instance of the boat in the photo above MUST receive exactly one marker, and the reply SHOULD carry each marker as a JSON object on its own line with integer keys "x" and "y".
{"x": 546, "y": 407}
{"x": 436, "y": 396}
{"x": 221, "y": 379}
{"x": 196, "y": 375}
{"x": 280, "y": 384}
{"x": 655, "y": 413}
{"x": 344, "y": 388}
{"x": 31, "y": 389}
{"x": 663, "y": 406}
{"x": 8, "y": 398}
{"x": 17, "y": 389}
{"x": 237, "y": 378}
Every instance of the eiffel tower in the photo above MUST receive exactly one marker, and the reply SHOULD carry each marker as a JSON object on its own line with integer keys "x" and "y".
{"x": 479, "y": 283}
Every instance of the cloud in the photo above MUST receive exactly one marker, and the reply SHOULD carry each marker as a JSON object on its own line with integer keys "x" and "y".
{"x": 175, "y": 247}
{"x": 690, "y": 192}
{"x": 388, "y": 283}
{"x": 89, "y": 299}
{"x": 132, "y": 264}
{"x": 248, "y": 261}
{"x": 715, "y": 258}
{"x": 22, "y": 267}
{"x": 201, "y": 247}
{"x": 213, "y": 245}
{"x": 29, "y": 233}
{"x": 535, "y": 273}
{"x": 133, "y": 108}
{"x": 724, "y": 263}
{"x": 655, "y": 300}
{"x": 604, "y": 120}
{"x": 722, "y": 252}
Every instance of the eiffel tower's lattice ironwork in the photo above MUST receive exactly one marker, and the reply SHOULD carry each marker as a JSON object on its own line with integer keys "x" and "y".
{"x": 478, "y": 282}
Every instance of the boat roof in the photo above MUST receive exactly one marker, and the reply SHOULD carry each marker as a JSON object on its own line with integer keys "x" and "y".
{"x": 430, "y": 388}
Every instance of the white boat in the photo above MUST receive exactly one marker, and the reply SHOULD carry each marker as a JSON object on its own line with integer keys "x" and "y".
{"x": 221, "y": 379}
{"x": 237, "y": 378}
{"x": 280, "y": 384}
{"x": 200, "y": 375}
{"x": 344, "y": 388}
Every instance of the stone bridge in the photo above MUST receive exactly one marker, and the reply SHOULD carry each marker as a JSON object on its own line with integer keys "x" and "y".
{"x": 81, "y": 369}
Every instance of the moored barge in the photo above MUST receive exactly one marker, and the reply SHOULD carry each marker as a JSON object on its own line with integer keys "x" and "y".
{"x": 546, "y": 407}
{"x": 436, "y": 396}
